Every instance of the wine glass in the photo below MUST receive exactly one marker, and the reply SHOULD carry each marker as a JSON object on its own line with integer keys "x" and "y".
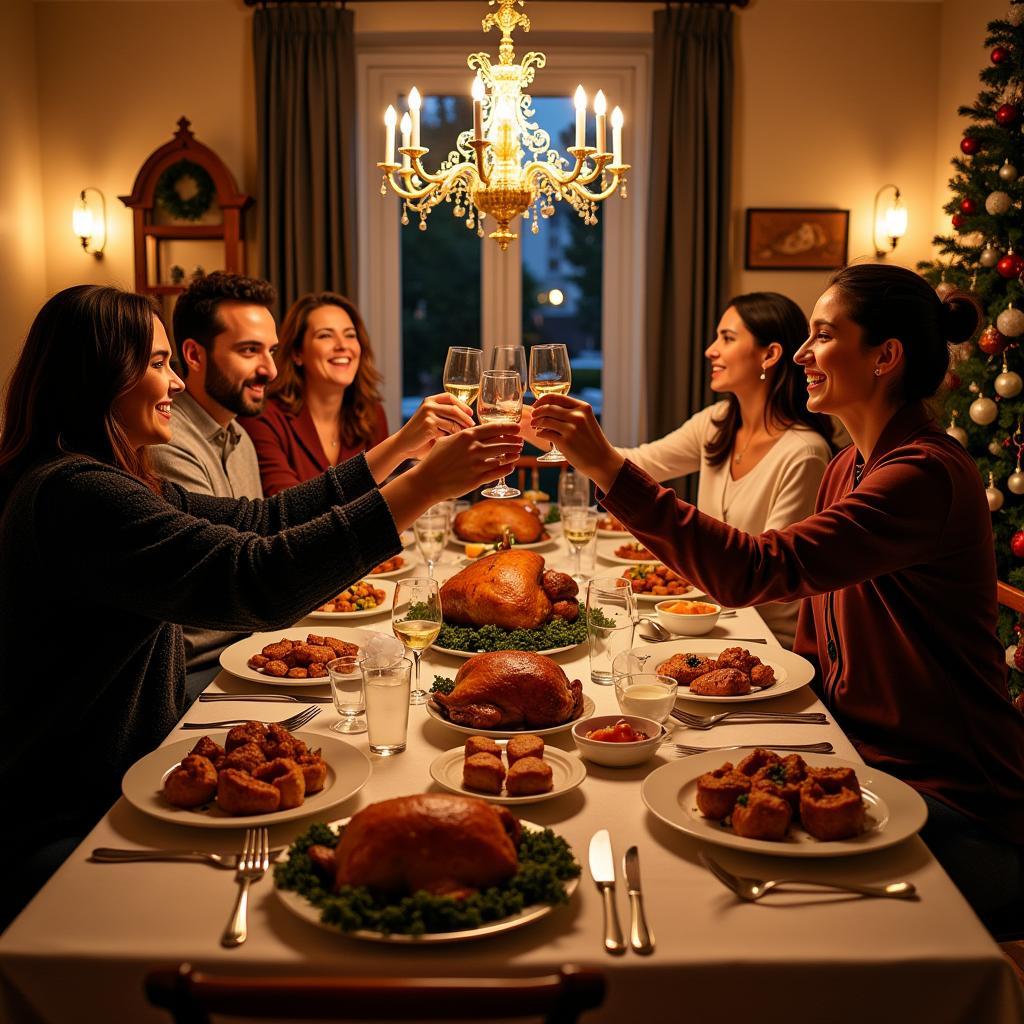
{"x": 508, "y": 357}
{"x": 573, "y": 490}
{"x": 550, "y": 374}
{"x": 462, "y": 369}
{"x": 579, "y": 527}
{"x": 500, "y": 401}
{"x": 416, "y": 621}
{"x": 431, "y": 531}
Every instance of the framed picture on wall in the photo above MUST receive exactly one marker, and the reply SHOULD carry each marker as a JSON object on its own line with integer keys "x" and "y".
{"x": 781, "y": 239}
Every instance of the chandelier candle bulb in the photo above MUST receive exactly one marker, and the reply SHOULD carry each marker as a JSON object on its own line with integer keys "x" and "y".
{"x": 414, "y": 106}
{"x": 406, "y": 132}
{"x": 389, "y": 135}
{"x": 617, "y": 120}
{"x": 600, "y": 111}
{"x": 580, "y": 100}
{"x": 478, "y": 109}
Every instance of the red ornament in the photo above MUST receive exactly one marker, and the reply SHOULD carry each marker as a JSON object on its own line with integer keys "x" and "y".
{"x": 952, "y": 381}
{"x": 1000, "y": 55}
{"x": 1007, "y": 115}
{"x": 969, "y": 145}
{"x": 1010, "y": 265}
{"x": 1017, "y": 543}
{"x": 991, "y": 342}
{"x": 968, "y": 206}
{"x": 1018, "y": 658}
{"x": 958, "y": 220}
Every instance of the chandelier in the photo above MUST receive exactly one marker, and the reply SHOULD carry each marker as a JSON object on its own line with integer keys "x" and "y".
{"x": 485, "y": 174}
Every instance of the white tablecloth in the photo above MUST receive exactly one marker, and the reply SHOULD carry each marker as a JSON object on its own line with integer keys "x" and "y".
{"x": 79, "y": 952}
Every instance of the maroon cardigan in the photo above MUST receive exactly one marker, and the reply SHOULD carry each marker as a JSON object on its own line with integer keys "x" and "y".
{"x": 289, "y": 448}
{"x": 899, "y": 574}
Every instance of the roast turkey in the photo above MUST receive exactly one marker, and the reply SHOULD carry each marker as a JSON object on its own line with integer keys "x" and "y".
{"x": 444, "y": 844}
{"x": 487, "y": 521}
{"x": 508, "y": 689}
{"x": 510, "y": 589}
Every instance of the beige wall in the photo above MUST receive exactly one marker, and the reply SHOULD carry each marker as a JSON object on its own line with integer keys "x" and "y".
{"x": 23, "y": 273}
{"x": 834, "y": 98}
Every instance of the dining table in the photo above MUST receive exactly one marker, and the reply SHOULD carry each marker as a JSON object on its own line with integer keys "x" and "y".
{"x": 81, "y": 949}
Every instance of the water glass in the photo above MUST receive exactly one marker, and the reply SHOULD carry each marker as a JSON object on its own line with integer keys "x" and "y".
{"x": 386, "y": 688}
{"x": 646, "y": 694}
{"x": 611, "y": 623}
{"x": 347, "y": 691}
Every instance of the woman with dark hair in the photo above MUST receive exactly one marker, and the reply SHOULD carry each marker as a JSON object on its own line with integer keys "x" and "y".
{"x": 896, "y": 569}
{"x": 324, "y": 407}
{"x": 85, "y": 526}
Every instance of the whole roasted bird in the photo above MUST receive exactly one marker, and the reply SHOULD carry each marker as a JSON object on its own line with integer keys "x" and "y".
{"x": 510, "y": 589}
{"x": 487, "y": 521}
{"x": 507, "y": 689}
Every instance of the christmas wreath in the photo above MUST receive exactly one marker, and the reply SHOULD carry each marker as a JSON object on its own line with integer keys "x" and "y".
{"x": 168, "y": 196}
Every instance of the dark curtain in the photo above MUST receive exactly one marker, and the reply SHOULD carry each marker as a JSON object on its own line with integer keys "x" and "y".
{"x": 688, "y": 232}
{"x": 306, "y": 137}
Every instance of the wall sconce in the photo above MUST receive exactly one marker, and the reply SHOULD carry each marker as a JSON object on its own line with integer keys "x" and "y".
{"x": 90, "y": 225}
{"x": 890, "y": 221}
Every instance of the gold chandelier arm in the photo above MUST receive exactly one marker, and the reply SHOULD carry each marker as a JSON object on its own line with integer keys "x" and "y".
{"x": 441, "y": 186}
{"x": 417, "y": 168}
{"x": 541, "y": 168}
{"x": 618, "y": 177}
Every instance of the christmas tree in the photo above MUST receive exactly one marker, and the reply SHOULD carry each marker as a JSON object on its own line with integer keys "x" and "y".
{"x": 983, "y": 396}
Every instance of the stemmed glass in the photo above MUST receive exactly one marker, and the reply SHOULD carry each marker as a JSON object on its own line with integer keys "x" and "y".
{"x": 573, "y": 490}
{"x": 462, "y": 369}
{"x": 508, "y": 357}
{"x": 431, "y": 531}
{"x": 416, "y": 620}
{"x": 550, "y": 374}
{"x": 579, "y": 527}
{"x": 500, "y": 401}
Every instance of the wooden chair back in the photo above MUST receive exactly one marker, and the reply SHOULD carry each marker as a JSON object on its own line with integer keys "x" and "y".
{"x": 528, "y": 464}
{"x": 1009, "y": 596}
{"x": 191, "y": 996}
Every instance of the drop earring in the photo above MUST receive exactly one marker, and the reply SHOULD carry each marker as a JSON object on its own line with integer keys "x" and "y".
{"x": 878, "y": 372}
{"x": 762, "y": 377}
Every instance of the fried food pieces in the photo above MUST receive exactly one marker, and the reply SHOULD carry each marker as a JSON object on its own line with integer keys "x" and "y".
{"x": 293, "y": 660}
{"x": 261, "y": 768}
{"x": 528, "y": 773}
{"x": 732, "y": 674}
{"x": 765, "y": 794}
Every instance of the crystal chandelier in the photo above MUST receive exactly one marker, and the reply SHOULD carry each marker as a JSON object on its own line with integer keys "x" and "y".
{"x": 485, "y": 174}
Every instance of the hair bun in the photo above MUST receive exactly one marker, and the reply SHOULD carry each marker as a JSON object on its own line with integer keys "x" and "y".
{"x": 962, "y": 315}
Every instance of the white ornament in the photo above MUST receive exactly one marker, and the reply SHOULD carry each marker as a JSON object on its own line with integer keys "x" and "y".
{"x": 1010, "y": 653}
{"x": 1009, "y": 384}
{"x": 989, "y": 256}
{"x": 1010, "y": 322}
{"x": 994, "y": 496}
{"x": 1015, "y": 482}
{"x": 983, "y": 411}
{"x": 995, "y": 448}
{"x": 997, "y": 203}
{"x": 973, "y": 388}
{"x": 958, "y": 434}
{"x": 1008, "y": 172}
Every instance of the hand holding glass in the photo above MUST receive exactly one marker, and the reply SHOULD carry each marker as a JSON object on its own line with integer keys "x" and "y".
{"x": 416, "y": 621}
{"x": 462, "y": 373}
{"x": 500, "y": 401}
{"x": 550, "y": 374}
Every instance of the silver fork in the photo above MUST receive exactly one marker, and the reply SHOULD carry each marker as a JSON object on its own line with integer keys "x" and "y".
{"x": 253, "y": 862}
{"x": 692, "y": 721}
{"x": 112, "y": 855}
{"x": 307, "y": 715}
{"x": 806, "y": 748}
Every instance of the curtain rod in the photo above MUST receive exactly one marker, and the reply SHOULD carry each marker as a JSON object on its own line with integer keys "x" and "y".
{"x": 696, "y": 3}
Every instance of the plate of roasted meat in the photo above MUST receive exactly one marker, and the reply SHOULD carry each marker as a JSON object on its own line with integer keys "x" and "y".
{"x": 490, "y": 521}
{"x": 786, "y": 806}
{"x": 397, "y": 565}
{"x": 254, "y": 774}
{"x": 725, "y": 671}
{"x": 504, "y": 693}
{"x": 653, "y": 582}
{"x": 413, "y": 870}
{"x": 291, "y": 657}
{"x": 624, "y": 550}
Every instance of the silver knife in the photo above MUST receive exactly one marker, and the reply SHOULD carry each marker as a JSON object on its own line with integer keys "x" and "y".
{"x": 602, "y": 869}
{"x": 640, "y": 936}
{"x": 265, "y": 696}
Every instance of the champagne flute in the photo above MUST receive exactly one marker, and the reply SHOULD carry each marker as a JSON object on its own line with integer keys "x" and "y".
{"x": 579, "y": 527}
{"x": 462, "y": 373}
{"x": 431, "y": 531}
{"x": 416, "y": 621}
{"x": 508, "y": 357}
{"x": 500, "y": 401}
{"x": 550, "y": 374}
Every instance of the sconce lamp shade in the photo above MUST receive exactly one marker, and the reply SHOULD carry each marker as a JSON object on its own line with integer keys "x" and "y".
{"x": 890, "y": 221}
{"x": 89, "y": 222}
{"x": 81, "y": 221}
{"x": 896, "y": 220}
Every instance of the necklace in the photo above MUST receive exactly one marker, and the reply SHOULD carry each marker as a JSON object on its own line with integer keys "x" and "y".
{"x": 738, "y": 457}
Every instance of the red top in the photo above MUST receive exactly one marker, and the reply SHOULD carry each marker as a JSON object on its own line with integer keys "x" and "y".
{"x": 289, "y": 447}
{"x": 899, "y": 574}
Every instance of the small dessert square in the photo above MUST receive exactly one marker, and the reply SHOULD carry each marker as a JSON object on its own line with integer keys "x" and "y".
{"x": 483, "y": 772}
{"x": 527, "y": 776}
{"x": 482, "y": 745}
{"x": 526, "y": 745}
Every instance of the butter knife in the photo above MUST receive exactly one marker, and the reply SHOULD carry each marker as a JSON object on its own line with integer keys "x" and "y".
{"x": 640, "y": 936}
{"x": 602, "y": 869}
{"x": 302, "y": 699}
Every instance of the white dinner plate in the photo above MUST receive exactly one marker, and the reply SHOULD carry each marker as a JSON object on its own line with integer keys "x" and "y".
{"x": 894, "y": 810}
{"x": 455, "y": 542}
{"x": 687, "y": 595}
{"x": 234, "y": 659}
{"x": 383, "y": 608}
{"x": 310, "y": 913}
{"x": 567, "y": 772}
{"x": 348, "y": 770}
{"x": 791, "y": 671}
{"x": 434, "y": 711}
{"x": 392, "y": 573}
{"x": 472, "y": 654}
{"x": 606, "y": 552}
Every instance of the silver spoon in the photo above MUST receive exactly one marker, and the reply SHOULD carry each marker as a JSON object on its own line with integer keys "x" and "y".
{"x": 754, "y": 888}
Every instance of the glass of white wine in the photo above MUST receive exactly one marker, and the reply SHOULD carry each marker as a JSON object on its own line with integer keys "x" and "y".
{"x": 431, "y": 531}
{"x": 579, "y": 527}
{"x": 500, "y": 401}
{"x": 416, "y": 620}
{"x": 508, "y": 357}
{"x": 462, "y": 369}
{"x": 550, "y": 374}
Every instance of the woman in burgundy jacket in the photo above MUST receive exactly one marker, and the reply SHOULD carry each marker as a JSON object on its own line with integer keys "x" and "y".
{"x": 896, "y": 568}
{"x": 323, "y": 407}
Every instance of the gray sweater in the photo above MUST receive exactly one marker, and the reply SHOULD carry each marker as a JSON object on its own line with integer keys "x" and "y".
{"x": 94, "y": 571}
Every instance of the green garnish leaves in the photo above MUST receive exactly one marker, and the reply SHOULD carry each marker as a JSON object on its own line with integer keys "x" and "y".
{"x": 442, "y": 684}
{"x": 554, "y": 515}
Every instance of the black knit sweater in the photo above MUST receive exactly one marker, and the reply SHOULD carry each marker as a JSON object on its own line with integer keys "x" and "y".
{"x": 96, "y": 575}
